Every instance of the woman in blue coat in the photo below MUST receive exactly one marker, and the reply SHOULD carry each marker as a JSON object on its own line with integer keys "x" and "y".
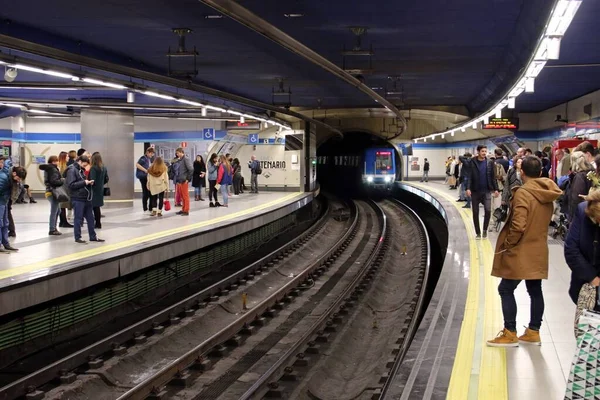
{"x": 582, "y": 251}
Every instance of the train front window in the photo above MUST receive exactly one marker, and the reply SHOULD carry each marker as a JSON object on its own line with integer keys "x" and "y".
{"x": 383, "y": 162}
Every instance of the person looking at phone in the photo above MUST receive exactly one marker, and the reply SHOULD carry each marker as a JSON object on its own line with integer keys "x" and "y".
{"x": 81, "y": 192}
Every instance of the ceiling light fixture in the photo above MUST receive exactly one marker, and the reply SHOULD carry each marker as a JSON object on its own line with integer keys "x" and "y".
{"x": 294, "y": 15}
{"x": 103, "y": 83}
{"x": 548, "y": 48}
{"x": 204, "y": 111}
{"x": 158, "y": 95}
{"x": 214, "y": 16}
{"x": 43, "y": 71}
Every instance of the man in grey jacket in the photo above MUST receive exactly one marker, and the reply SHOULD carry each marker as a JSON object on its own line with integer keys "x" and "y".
{"x": 255, "y": 170}
{"x": 184, "y": 171}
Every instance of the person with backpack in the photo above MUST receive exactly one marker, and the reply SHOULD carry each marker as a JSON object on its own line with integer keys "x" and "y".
{"x": 141, "y": 172}
{"x": 255, "y": 171}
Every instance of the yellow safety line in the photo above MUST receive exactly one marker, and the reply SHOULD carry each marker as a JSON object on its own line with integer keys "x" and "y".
{"x": 137, "y": 240}
{"x": 492, "y": 382}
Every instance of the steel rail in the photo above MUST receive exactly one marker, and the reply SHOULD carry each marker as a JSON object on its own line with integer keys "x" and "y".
{"x": 414, "y": 323}
{"x": 257, "y": 390}
{"x": 166, "y": 374}
{"x": 44, "y": 375}
{"x": 238, "y": 13}
{"x": 90, "y": 62}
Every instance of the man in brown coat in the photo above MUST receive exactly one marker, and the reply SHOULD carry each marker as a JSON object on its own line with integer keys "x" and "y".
{"x": 522, "y": 252}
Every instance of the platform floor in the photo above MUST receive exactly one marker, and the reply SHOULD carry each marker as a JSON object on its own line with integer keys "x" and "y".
{"x": 526, "y": 372}
{"x": 40, "y": 254}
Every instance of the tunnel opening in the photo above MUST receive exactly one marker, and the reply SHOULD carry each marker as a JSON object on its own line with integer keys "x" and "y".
{"x": 341, "y": 162}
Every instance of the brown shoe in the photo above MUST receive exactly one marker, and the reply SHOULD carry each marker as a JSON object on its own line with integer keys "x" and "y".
{"x": 505, "y": 338}
{"x": 531, "y": 337}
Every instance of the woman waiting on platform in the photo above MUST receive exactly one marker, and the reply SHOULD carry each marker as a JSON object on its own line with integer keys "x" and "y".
{"x": 213, "y": 172}
{"x": 63, "y": 159}
{"x": 237, "y": 177}
{"x": 52, "y": 180}
{"x": 513, "y": 180}
{"x": 199, "y": 178}
{"x": 99, "y": 175}
{"x": 158, "y": 185}
{"x": 224, "y": 179}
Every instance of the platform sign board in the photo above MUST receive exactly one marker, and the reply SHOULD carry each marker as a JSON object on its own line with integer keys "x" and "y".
{"x": 511, "y": 124}
{"x": 38, "y": 159}
{"x": 253, "y": 138}
{"x": 238, "y": 125}
{"x": 208, "y": 134}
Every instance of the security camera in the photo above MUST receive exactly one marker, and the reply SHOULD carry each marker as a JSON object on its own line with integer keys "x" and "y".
{"x": 10, "y": 74}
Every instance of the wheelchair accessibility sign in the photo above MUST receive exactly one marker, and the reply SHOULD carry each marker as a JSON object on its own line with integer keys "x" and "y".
{"x": 253, "y": 138}
{"x": 208, "y": 134}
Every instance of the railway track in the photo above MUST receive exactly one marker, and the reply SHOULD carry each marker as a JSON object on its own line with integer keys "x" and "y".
{"x": 89, "y": 363}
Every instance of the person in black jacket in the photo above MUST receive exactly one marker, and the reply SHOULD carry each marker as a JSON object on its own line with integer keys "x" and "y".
{"x": 480, "y": 186}
{"x": 52, "y": 180}
{"x": 199, "y": 178}
{"x": 81, "y": 196}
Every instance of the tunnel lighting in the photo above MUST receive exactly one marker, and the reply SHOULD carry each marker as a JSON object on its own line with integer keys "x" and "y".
{"x": 535, "y": 68}
{"x": 562, "y": 16}
{"x": 43, "y": 71}
{"x": 511, "y": 102}
{"x": 204, "y": 111}
{"x": 530, "y": 85}
{"x": 103, "y": 83}
{"x": 159, "y": 95}
{"x": 553, "y": 52}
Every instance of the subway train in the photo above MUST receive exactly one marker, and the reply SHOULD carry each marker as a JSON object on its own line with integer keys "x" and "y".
{"x": 379, "y": 168}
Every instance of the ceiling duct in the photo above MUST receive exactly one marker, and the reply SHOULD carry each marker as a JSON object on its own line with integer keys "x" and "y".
{"x": 282, "y": 97}
{"x": 357, "y": 51}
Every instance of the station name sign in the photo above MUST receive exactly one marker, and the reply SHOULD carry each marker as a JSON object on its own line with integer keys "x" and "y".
{"x": 511, "y": 124}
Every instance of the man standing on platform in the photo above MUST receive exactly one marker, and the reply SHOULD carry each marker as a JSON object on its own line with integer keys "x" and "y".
{"x": 425, "y": 177}
{"x": 142, "y": 174}
{"x": 522, "y": 252}
{"x": 480, "y": 186}
{"x": 255, "y": 171}
{"x": 5, "y": 194}
{"x": 183, "y": 175}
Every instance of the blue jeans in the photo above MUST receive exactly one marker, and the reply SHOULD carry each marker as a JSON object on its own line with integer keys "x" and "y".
{"x": 54, "y": 212}
{"x": 4, "y": 224}
{"x": 83, "y": 209}
{"x": 463, "y": 193}
{"x": 225, "y": 194}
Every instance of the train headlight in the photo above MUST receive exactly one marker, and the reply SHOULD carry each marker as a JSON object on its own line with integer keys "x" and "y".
{"x": 369, "y": 179}
{"x": 388, "y": 179}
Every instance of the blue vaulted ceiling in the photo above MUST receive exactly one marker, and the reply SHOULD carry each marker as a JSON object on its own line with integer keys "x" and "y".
{"x": 446, "y": 53}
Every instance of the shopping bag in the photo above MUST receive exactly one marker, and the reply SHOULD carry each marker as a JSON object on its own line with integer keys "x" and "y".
{"x": 584, "y": 378}
{"x": 60, "y": 194}
{"x": 586, "y": 301}
{"x": 167, "y": 205}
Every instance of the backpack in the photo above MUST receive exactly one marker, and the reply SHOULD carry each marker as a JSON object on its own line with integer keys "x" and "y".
{"x": 173, "y": 170}
{"x": 258, "y": 169}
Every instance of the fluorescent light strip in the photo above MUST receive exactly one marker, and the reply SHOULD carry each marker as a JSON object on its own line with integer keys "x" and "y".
{"x": 159, "y": 95}
{"x": 548, "y": 49}
{"x": 103, "y": 83}
{"x": 42, "y": 71}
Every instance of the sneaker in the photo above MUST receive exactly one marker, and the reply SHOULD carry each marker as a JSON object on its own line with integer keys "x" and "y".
{"x": 505, "y": 338}
{"x": 159, "y": 214}
{"x": 10, "y": 248}
{"x": 531, "y": 337}
{"x": 98, "y": 240}
{"x": 477, "y": 236}
{"x": 154, "y": 213}
{"x": 54, "y": 233}
{"x": 80, "y": 241}
{"x": 485, "y": 234}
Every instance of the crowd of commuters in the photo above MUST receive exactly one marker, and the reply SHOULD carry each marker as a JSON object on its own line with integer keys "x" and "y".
{"x": 523, "y": 188}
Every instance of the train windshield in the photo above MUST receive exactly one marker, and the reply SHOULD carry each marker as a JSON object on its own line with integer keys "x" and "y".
{"x": 383, "y": 162}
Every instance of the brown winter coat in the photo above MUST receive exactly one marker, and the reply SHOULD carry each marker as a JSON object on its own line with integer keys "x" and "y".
{"x": 522, "y": 246}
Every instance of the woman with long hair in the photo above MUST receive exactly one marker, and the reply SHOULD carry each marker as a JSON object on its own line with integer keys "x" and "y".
{"x": 513, "y": 180}
{"x": 237, "y": 176}
{"x": 52, "y": 179}
{"x": 99, "y": 175}
{"x": 158, "y": 185}
{"x": 63, "y": 159}
{"x": 213, "y": 174}
{"x": 224, "y": 179}
{"x": 199, "y": 180}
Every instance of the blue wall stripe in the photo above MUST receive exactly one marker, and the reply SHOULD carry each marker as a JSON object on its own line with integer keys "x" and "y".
{"x": 183, "y": 136}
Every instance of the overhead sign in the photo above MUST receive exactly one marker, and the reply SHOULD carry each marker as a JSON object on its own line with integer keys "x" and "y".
{"x": 208, "y": 134}
{"x": 502, "y": 123}
{"x": 253, "y": 138}
{"x": 248, "y": 125}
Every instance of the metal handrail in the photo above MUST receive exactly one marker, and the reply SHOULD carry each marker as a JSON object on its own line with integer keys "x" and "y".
{"x": 162, "y": 377}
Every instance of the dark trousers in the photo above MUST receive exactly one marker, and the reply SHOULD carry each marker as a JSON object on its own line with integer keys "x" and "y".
{"x": 484, "y": 198}
{"x": 157, "y": 198}
{"x": 11, "y": 221}
{"x": 63, "y": 217}
{"x": 212, "y": 191}
{"x": 509, "y": 305}
{"x": 83, "y": 209}
{"x": 97, "y": 217}
{"x": 145, "y": 193}
{"x": 237, "y": 183}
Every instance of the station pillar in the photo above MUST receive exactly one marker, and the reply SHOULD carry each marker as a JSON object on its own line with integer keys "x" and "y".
{"x": 111, "y": 133}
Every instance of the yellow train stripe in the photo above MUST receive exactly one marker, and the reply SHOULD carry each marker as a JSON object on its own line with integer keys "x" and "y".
{"x": 479, "y": 372}
{"x": 138, "y": 240}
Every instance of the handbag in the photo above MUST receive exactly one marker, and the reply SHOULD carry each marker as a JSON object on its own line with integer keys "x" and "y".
{"x": 60, "y": 194}
{"x": 217, "y": 186}
{"x": 583, "y": 382}
{"x": 167, "y": 204}
{"x": 106, "y": 192}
